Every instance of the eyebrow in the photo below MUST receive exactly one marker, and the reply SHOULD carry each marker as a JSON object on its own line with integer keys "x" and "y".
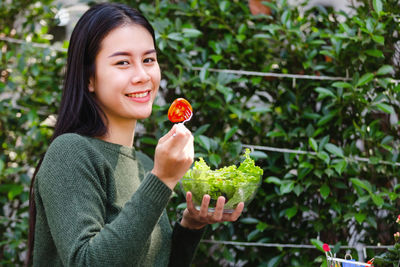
{"x": 124, "y": 53}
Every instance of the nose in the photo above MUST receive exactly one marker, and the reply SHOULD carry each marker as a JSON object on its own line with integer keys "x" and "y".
{"x": 140, "y": 74}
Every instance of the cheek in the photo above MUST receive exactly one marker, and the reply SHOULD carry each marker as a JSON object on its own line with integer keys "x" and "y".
{"x": 111, "y": 80}
{"x": 157, "y": 77}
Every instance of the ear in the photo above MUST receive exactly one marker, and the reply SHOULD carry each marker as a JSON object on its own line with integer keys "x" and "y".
{"x": 91, "y": 85}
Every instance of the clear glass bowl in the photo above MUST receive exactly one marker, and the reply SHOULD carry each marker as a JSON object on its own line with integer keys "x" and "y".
{"x": 234, "y": 189}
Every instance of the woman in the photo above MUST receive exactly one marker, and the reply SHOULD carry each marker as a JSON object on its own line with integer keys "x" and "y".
{"x": 95, "y": 200}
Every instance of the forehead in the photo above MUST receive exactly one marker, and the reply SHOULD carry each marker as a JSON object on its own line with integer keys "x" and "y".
{"x": 130, "y": 37}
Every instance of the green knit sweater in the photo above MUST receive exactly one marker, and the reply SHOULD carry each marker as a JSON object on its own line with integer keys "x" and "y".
{"x": 97, "y": 204}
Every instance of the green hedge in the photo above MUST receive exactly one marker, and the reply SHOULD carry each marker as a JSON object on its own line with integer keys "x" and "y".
{"x": 304, "y": 198}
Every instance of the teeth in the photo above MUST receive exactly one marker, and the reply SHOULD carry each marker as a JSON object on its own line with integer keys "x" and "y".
{"x": 138, "y": 95}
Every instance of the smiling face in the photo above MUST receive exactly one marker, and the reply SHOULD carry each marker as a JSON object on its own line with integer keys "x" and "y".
{"x": 127, "y": 75}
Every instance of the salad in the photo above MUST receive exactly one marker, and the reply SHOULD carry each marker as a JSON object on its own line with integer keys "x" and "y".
{"x": 236, "y": 184}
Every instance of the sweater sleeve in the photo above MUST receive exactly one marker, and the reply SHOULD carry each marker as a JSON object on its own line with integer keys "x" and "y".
{"x": 184, "y": 240}
{"x": 184, "y": 245}
{"x": 71, "y": 186}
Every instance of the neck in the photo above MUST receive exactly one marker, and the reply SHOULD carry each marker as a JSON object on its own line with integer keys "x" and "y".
{"x": 121, "y": 133}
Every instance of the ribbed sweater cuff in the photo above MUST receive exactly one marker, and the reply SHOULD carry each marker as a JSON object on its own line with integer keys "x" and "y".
{"x": 154, "y": 187}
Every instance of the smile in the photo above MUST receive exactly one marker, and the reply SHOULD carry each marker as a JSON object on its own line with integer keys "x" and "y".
{"x": 138, "y": 95}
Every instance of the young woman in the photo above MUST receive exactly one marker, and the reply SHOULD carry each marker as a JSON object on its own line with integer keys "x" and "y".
{"x": 95, "y": 200}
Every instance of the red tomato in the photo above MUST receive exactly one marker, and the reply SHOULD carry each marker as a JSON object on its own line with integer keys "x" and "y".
{"x": 180, "y": 110}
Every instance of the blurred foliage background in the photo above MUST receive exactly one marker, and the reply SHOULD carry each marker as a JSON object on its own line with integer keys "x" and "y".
{"x": 344, "y": 192}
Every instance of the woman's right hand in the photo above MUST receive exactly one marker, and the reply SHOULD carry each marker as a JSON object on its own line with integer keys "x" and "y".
{"x": 173, "y": 155}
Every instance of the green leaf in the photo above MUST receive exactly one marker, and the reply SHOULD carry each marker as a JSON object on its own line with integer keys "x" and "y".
{"x": 323, "y": 92}
{"x": 224, "y": 5}
{"x": 377, "y": 6}
{"x": 364, "y": 199}
{"x": 258, "y": 155}
{"x": 318, "y": 244}
{"x": 313, "y": 144}
{"x": 15, "y": 190}
{"x": 273, "y": 180}
{"x": 340, "y": 166}
{"x": 253, "y": 234}
{"x": 203, "y": 72}
{"x": 204, "y": 141}
{"x": 1, "y": 166}
{"x": 230, "y": 133}
{"x": 374, "y": 53}
{"x": 249, "y": 220}
{"x": 215, "y": 159}
{"x": 191, "y": 33}
{"x": 342, "y": 85}
{"x": 286, "y": 187}
{"x": 285, "y": 16}
{"x": 379, "y": 39}
{"x": 261, "y": 226}
{"x": 324, "y": 190}
{"x": 384, "y": 70}
{"x": 366, "y": 78}
{"x": 324, "y": 156}
{"x": 363, "y": 184}
{"x": 298, "y": 189}
{"x": 216, "y": 58}
{"x": 274, "y": 262}
{"x": 148, "y": 140}
{"x": 182, "y": 206}
{"x": 261, "y": 110}
{"x": 360, "y": 217}
{"x": 202, "y": 129}
{"x": 290, "y": 212}
{"x": 306, "y": 165}
{"x": 176, "y": 36}
{"x": 385, "y": 108}
{"x": 377, "y": 200}
{"x": 371, "y": 221}
{"x": 334, "y": 149}
{"x": 326, "y": 118}
{"x": 262, "y": 36}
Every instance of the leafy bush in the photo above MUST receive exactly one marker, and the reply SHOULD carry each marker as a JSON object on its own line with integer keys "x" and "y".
{"x": 328, "y": 194}
{"x": 29, "y": 92}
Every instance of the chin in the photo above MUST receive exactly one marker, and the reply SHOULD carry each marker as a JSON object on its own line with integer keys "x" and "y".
{"x": 142, "y": 116}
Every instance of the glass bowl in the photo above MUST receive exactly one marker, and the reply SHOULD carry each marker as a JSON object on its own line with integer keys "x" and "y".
{"x": 234, "y": 187}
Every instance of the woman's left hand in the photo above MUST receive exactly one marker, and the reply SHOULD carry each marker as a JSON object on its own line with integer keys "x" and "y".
{"x": 197, "y": 219}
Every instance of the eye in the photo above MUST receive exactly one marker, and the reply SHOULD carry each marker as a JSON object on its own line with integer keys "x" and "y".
{"x": 149, "y": 60}
{"x": 122, "y": 63}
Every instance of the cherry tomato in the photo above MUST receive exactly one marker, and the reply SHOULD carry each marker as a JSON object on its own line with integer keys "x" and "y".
{"x": 180, "y": 110}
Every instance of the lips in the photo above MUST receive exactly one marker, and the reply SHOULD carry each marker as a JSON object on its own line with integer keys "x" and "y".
{"x": 138, "y": 95}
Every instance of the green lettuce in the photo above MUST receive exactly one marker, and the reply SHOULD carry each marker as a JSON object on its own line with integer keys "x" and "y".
{"x": 236, "y": 184}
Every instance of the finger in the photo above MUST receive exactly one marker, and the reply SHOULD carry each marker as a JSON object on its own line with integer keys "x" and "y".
{"x": 188, "y": 150}
{"x": 204, "y": 206}
{"x": 181, "y": 131}
{"x": 168, "y": 135}
{"x": 219, "y": 209}
{"x": 189, "y": 203}
{"x": 237, "y": 212}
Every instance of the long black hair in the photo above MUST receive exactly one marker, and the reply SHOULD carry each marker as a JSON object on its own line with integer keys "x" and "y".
{"x": 79, "y": 112}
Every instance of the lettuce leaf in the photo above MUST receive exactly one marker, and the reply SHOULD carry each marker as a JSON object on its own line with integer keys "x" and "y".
{"x": 236, "y": 184}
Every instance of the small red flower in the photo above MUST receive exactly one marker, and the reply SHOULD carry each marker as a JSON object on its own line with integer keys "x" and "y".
{"x": 325, "y": 247}
{"x": 398, "y": 219}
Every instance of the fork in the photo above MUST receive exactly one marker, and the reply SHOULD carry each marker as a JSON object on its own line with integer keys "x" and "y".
{"x": 188, "y": 114}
